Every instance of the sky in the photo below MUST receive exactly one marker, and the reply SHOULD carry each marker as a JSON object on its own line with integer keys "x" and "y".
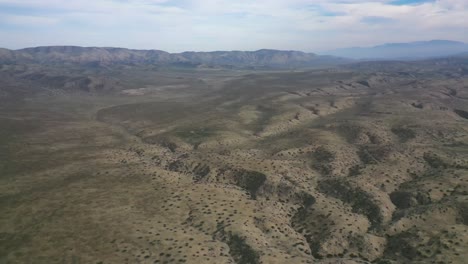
{"x": 207, "y": 25}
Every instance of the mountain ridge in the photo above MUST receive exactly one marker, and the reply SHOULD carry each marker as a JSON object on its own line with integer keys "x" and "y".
{"x": 111, "y": 55}
{"x": 403, "y": 51}
{"x": 267, "y": 58}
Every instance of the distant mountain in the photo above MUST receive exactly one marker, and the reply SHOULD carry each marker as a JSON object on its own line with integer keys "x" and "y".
{"x": 412, "y": 50}
{"x": 463, "y": 55}
{"x": 260, "y": 57}
{"x": 109, "y": 56}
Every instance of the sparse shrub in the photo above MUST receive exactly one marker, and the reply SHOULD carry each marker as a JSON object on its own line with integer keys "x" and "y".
{"x": 403, "y": 133}
{"x": 373, "y": 154}
{"x": 354, "y": 171}
{"x": 251, "y": 181}
{"x": 434, "y": 161}
{"x": 365, "y": 156}
{"x": 200, "y": 171}
{"x": 461, "y": 113}
{"x": 403, "y": 244}
{"x": 402, "y": 200}
{"x": 242, "y": 252}
{"x": 307, "y": 199}
{"x": 323, "y": 155}
{"x": 168, "y": 144}
{"x": 360, "y": 201}
{"x": 176, "y": 166}
{"x": 417, "y": 105}
{"x": 365, "y": 83}
{"x": 350, "y": 132}
{"x": 321, "y": 160}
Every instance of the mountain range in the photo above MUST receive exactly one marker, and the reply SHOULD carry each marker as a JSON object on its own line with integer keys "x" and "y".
{"x": 106, "y": 56}
{"x": 404, "y": 51}
{"x": 267, "y": 58}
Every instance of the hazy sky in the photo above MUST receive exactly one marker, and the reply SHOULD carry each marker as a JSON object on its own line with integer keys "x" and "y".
{"x": 201, "y": 25}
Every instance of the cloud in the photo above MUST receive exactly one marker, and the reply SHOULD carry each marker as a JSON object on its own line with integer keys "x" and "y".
{"x": 33, "y": 21}
{"x": 409, "y": 2}
{"x": 377, "y": 20}
{"x": 177, "y": 25}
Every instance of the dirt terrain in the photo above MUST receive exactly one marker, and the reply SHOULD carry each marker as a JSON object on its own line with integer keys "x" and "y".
{"x": 359, "y": 164}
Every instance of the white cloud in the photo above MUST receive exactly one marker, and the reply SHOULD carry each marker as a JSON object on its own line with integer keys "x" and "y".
{"x": 176, "y": 25}
{"x": 22, "y": 20}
